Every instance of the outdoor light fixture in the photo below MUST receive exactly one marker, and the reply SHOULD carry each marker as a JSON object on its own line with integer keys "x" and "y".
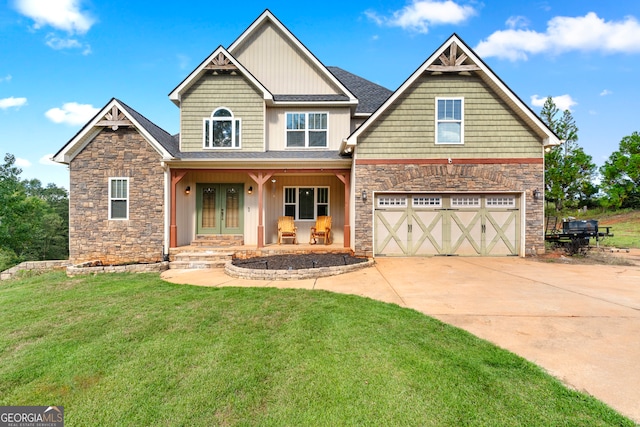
{"x": 536, "y": 194}
{"x": 364, "y": 195}
{"x": 250, "y": 191}
{"x": 187, "y": 190}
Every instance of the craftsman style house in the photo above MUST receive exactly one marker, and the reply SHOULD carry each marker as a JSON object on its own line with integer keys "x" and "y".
{"x": 451, "y": 163}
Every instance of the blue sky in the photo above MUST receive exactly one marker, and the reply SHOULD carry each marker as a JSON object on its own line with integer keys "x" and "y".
{"x": 62, "y": 60}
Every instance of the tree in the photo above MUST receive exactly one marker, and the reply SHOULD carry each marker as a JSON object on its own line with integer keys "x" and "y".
{"x": 621, "y": 174}
{"x": 33, "y": 220}
{"x": 569, "y": 171}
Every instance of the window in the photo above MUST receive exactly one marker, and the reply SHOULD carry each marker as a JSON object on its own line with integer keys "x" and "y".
{"x": 118, "y": 198}
{"x": 465, "y": 202}
{"x": 221, "y": 130}
{"x": 449, "y": 121}
{"x": 306, "y": 202}
{"x": 391, "y": 201}
{"x": 501, "y": 201}
{"x": 427, "y": 201}
{"x": 307, "y": 130}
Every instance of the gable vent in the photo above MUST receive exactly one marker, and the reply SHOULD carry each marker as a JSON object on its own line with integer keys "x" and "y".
{"x": 114, "y": 119}
{"x": 220, "y": 63}
{"x": 452, "y": 61}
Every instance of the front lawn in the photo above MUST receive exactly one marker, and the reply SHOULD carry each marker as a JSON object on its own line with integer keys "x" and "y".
{"x": 134, "y": 350}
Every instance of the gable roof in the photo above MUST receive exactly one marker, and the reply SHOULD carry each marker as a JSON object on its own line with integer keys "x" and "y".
{"x": 455, "y": 55}
{"x": 268, "y": 17}
{"x": 370, "y": 95}
{"x": 115, "y": 114}
{"x": 220, "y": 59}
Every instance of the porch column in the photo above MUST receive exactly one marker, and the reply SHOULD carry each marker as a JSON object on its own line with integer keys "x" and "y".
{"x": 346, "y": 180}
{"x": 260, "y": 179}
{"x": 176, "y": 176}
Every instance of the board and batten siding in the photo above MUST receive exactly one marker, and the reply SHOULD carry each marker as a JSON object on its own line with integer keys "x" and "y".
{"x": 212, "y": 92}
{"x": 274, "y": 206}
{"x": 280, "y": 66}
{"x": 186, "y": 203}
{"x": 339, "y": 126}
{"x": 407, "y": 128}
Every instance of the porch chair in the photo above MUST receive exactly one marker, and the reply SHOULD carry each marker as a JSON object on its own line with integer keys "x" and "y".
{"x": 321, "y": 230}
{"x": 287, "y": 229}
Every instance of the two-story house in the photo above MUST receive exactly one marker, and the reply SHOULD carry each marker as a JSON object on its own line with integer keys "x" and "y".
{"x": 449, "y": 163}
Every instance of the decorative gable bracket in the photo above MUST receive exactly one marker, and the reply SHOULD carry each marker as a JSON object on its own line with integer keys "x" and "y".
{"x": 221, "y": 63}
{"x": 114, "y": 119}
{"x": 452, "y": 62}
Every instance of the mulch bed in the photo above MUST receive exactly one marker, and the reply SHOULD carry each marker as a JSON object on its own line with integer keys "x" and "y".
{"x": 297, "y": 261}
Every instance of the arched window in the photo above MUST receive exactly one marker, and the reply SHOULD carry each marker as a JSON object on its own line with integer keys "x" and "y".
{"x": 222, "y": 129}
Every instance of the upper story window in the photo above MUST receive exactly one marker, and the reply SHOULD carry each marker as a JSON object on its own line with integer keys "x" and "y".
{"x": 118, "y": 198}
{"x": 307, "y": 130}
{"x": 449, "y": 121}
{"x": 221, "y": 130}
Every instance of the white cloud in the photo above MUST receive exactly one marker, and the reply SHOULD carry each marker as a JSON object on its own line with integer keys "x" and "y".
{"x": 60, "y": 14}
{"x": 517, "y": 22}
{"x": 6, "y": 78}
{"x": 583, "y": 33}
{"x": 605, "y": 92}
{"x": 563, "y": 102}
{"x": 22, "y": 163}
{"x": 58, "y": 43}
{"x": 12, "y": 102}
{"x": 421, "y": 14}
{"x": 46, "y": 160}
{"x": 72, "y": 113}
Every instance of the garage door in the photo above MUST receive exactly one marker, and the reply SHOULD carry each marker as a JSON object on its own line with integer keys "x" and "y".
{"x": 451, "y": 224}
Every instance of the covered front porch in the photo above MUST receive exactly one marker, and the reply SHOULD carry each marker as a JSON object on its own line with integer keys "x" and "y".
{"x": 243, "y": 206}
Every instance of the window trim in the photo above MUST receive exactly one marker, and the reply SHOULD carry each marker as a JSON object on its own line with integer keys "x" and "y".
{"x": 306, "y": 130}
{"x": 112, "y": 199}
{"x": 236, "y": 130}
{"x": 296, "y": 204}
{"x": 461, "y": 121}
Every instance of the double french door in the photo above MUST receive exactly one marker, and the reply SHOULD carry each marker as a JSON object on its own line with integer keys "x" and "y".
{"x": 219, "y": 209}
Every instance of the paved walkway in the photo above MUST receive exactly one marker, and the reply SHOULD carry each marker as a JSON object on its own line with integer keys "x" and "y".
{"x": 579, "y": 322}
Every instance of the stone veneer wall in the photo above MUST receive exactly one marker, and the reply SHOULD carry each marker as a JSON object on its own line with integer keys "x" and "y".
{"x": 450, "y": 178}
{"x": 92, "y": 236}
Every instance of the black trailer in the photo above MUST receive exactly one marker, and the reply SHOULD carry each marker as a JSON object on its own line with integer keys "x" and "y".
{"x": 573, "y": 234}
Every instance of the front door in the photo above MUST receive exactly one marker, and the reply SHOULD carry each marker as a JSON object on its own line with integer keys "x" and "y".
{"x": 219, "y": 208}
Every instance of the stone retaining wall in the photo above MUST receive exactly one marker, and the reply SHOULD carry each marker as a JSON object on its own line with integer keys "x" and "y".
{"x": 306, "y": 273}
{"x": 132, "y": 268}
{"x": 37, "y": 266}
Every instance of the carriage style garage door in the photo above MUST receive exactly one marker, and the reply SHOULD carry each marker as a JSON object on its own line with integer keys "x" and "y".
{"x": 447, "y": 224}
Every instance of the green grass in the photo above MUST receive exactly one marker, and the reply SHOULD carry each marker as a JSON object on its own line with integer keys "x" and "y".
{"x": 625, "y": 227}
{"x": 134, "y": 350}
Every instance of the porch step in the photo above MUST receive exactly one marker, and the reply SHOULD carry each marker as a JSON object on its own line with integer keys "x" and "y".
{"x": 218, "y": 240}
{"x": 200, "y": 260}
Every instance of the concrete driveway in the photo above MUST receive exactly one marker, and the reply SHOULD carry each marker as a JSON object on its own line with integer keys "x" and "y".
{"x": 579, "y": 322}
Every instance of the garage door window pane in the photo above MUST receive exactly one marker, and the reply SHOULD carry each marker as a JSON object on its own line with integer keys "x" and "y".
{"x": 427, "y": 201}
{"x": 502, "y": 201}
{"x": 390, "y": 201}
{"x": 465, "y": 202}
